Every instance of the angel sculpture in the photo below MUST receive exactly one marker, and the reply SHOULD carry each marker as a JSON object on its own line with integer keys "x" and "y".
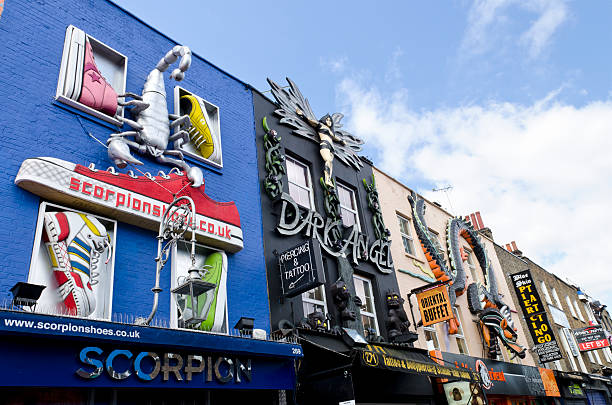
{"x": 295, "y": 112}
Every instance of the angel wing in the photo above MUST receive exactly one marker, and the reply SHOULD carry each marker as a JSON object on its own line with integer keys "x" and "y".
{"x": 289, "y": 101}
{"x": 346, "y": 152}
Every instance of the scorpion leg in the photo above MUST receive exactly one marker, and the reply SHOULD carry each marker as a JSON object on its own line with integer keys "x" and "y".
{"x": 179, "y": 120}
{"x": 179, "y": 138}
{"x": 131, "y": 123}
{"x": 119, "y": 149}
{"x": 193, "y": 173}
{"x": 137, "y": 105}
{"x": 132, "y": 95}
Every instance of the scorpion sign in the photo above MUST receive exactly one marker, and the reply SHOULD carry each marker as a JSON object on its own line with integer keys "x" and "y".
{"x": 153, "y": 122}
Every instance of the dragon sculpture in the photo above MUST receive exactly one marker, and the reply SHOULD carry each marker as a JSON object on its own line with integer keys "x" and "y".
{"x": 483, "y": 300}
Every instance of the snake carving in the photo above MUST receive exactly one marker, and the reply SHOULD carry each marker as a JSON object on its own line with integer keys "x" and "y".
{"x": 483, "y": 300}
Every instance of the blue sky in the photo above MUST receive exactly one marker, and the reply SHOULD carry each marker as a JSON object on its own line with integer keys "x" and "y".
{"x": 507, "y": 101}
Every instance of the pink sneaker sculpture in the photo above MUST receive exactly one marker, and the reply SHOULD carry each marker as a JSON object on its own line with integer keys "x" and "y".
{"x": 84, "y": 82}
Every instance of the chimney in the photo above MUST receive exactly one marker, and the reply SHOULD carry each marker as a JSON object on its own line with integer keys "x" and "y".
{"x": 473, "y": 221}
{"x": 479, "y": 219}
{"x": 511, "y": 247}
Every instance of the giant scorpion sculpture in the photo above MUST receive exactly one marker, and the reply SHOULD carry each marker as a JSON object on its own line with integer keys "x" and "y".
{"x": 151, "y": 130}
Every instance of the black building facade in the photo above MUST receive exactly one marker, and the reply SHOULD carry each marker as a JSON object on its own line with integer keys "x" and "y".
{"x": 331, "y": 280}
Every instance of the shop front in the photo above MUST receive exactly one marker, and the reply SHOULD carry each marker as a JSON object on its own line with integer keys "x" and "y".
{"x": 50, "y": 359}
{"x": 508, "y": 383}
{"x": 132, "y": 245}
{"x": 335, "y": 372}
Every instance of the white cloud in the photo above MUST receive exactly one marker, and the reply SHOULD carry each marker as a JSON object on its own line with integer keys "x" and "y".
{"x": 335, "y": 65}
{"x": 488, "y": 22}
{"x": 540, "y": 174}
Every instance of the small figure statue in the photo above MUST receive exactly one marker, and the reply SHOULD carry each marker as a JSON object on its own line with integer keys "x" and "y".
{"x": 398, "y": 322}
{"x": 341, "y": 297}
{"x": 316, "y": 321}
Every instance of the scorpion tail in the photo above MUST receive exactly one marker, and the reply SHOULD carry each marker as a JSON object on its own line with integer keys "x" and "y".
{"x": 179, "y": 73}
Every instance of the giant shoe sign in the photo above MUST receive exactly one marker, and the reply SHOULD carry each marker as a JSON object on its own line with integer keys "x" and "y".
{"x": 137, "y": 200}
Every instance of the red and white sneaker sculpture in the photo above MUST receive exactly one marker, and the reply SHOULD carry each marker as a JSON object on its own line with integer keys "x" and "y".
{"x": 75, "y": 243}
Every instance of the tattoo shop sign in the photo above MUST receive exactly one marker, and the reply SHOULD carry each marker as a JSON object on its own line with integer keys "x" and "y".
{"x": 434, "y": 305}
{"x": 546, "y": 345}
{"x": 591, "y": 338}
{"x": 301, "y": 268}
{"x": 294, "y": 220}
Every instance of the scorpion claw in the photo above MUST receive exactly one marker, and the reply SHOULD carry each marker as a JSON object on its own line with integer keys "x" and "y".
{"x": 196, "y": 176}
{"x": 119, "y": 152}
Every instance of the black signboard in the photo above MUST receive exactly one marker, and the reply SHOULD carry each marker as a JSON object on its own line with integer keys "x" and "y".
{"x": 301, "y": 268}
{"x": 591, "y": 338}
{"x": 537, "y": 321}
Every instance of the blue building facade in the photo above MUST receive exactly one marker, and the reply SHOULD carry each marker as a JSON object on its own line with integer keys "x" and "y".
{"x": 54, "y": 178}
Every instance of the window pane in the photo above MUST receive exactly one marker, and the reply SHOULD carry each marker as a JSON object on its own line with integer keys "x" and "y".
{"x": 462, "y": 346}
{"x": 368, "y": 323}
{"x": 348, "y": 218}
{"x": 408, "y": 248}
{"x": 309, "y": 308}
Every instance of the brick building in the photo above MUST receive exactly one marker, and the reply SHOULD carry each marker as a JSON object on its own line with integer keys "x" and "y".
{"x": 567, "y": 309}
{"x": 89, "y": 235}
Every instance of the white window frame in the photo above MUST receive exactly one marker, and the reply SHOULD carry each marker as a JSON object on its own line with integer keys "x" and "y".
{"x": 545, "y": 291}
{"x": 571, "y": 307}
{"x": 566, "y": 346}
{"x": 471, "y": 265}
{"x": 597, "y": 357}
{"x": 589, "y": 312}
{"x": 577, "y": 308}
{"x": 460, "y": 335}
{"x": 307, "y": 300}
{"x": 362, "y": 311}
{"x": 556, "y": 298}
{"x": 354, "y": 201}
{"x": 38, "y": 248}
{"x": 436, "y": 341}
{"x": 106, "y": 56}
{"x": 404, "y": 235}
{"x": 174, "y": 283}
{"x": 309, "y": 188}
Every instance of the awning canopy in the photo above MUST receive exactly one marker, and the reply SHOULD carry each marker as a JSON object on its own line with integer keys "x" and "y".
{"x": 409, "y": 360}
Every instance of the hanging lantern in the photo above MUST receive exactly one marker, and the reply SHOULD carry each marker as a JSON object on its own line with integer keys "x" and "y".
{"x": 190, "y": 294}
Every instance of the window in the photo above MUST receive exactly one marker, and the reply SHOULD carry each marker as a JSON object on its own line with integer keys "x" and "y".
{"x": 205, "y": 130}
{"x": 436, "y": 241}
{"x": 587, "y": 309}
{"x": 545, "y": 291}
{"x": 571, "y": 307}
{"x": 212, "y": 305}
{"x": 75, "y": 262}
{"x": 471, "y": 265}
{"x": 363, "y": 289}
{"x": 431, "y": 338}
{"x": 556, "y": 298}
{"x": 79, "y": 70}
{"x": 300, "y": 185}
{"x": 314, "y": 301}
{"x": 597, "y": 357}
{"x": 607, "y": 354}
{"x": 578, "y": 311}
{"x": 459, "y": 336}
{"x": 590, "y": 356}
{"x": 565, "y": 345}
{"x": 405, "y": 225}
{"x": 348, "y": 206}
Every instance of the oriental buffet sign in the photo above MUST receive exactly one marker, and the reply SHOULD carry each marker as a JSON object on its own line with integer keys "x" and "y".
{"x": 295, "y": 219}
{"x": 391, "y": 359}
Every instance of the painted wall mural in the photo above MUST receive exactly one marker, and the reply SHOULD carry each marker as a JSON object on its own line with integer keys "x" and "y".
{"x": 484, "y": 300}
{"x": 73, "y": 257}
